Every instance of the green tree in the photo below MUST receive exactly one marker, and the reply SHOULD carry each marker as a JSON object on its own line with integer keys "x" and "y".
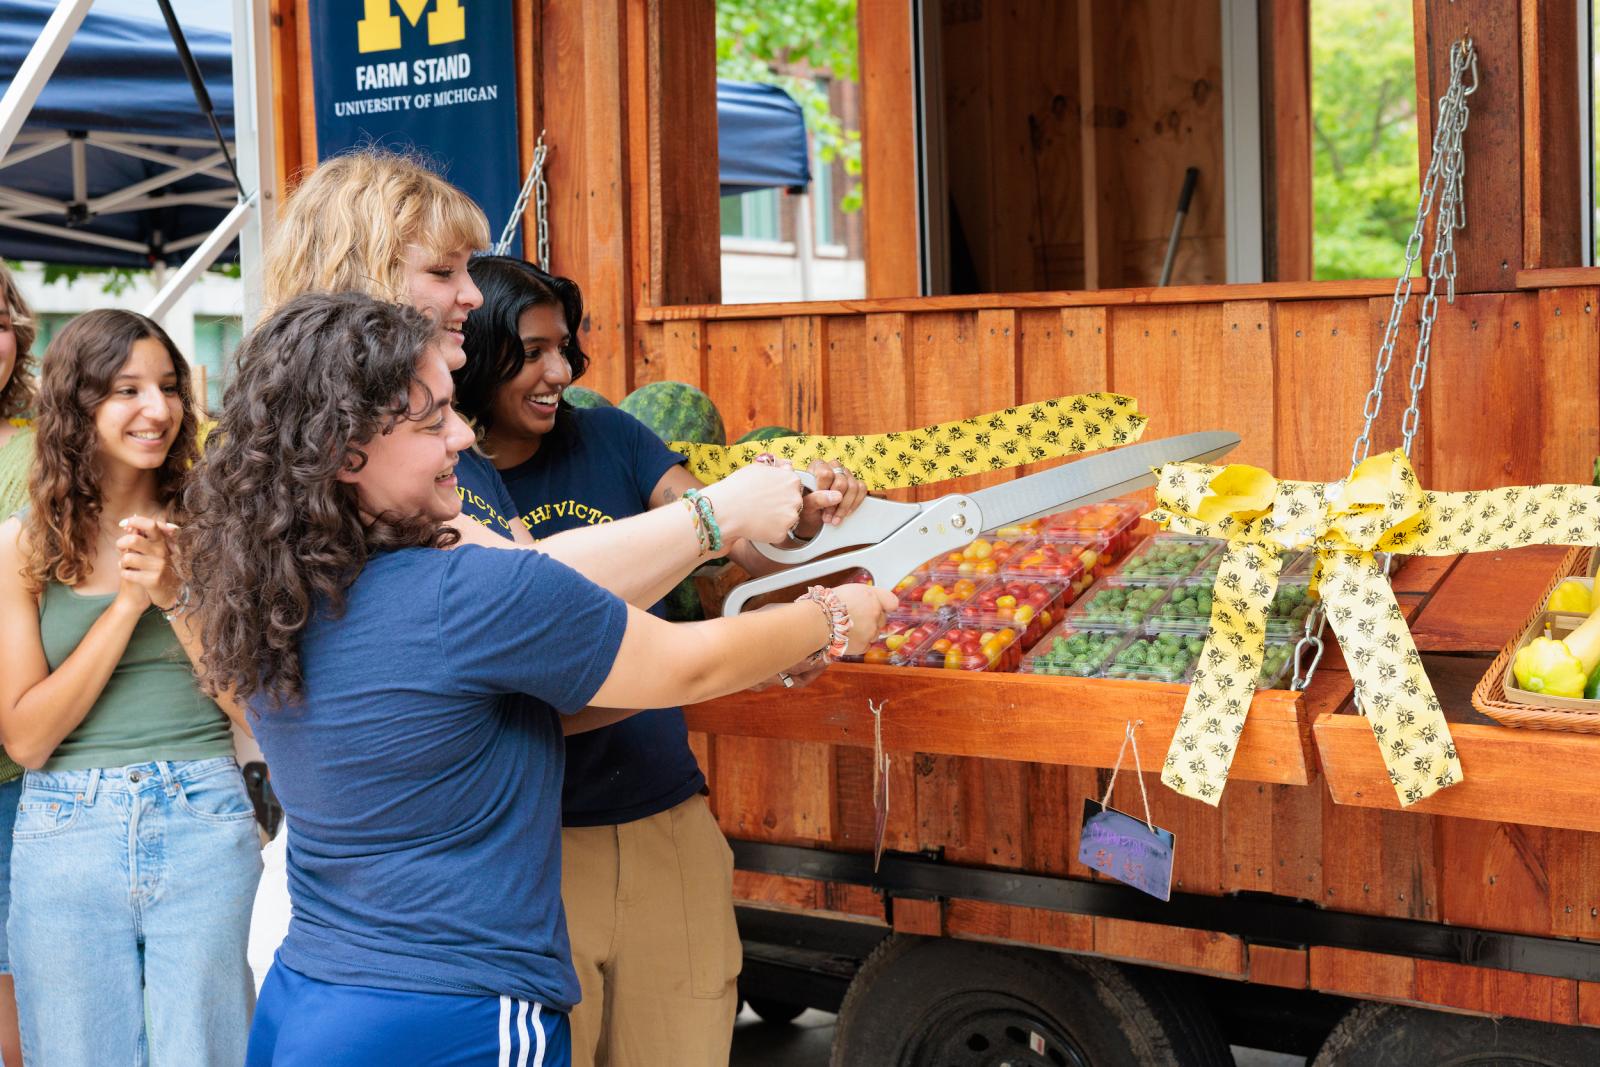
{"x": 1364, "y": 125}
{"x": 767, "y": 40}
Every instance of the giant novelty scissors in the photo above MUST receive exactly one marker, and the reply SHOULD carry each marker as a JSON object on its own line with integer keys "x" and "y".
{"x": 889, "y": 539}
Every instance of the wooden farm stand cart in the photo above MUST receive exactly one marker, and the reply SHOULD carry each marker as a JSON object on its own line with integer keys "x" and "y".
{"x": 1307, "y": 896}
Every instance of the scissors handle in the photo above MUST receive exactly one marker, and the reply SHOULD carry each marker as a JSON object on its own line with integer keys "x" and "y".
{"x": 869, "y": 524}
{"x": 935, "y": 527}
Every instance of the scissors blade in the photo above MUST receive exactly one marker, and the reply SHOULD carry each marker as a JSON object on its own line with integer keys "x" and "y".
{"x": 1098, "y": 477}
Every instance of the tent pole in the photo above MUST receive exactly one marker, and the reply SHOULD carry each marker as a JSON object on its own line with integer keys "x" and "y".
{"x": 37, "y": 68}
{"x": 201, "y": 258}
{"x": 253, "y": 140}
{"x": 805, "y": 240}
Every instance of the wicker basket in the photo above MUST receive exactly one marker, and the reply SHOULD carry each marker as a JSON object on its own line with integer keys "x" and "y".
{"x": 1490, "y": 695}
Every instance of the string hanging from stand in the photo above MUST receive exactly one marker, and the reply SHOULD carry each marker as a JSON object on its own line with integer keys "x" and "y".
{"x": 1128, "y": 738}
{"x": 880, "y": 783}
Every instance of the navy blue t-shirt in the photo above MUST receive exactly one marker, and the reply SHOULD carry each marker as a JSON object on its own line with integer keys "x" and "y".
{"x": 601, "y": 464}
{"x": 483, "y": 494}
{"x": 421, "y": 773}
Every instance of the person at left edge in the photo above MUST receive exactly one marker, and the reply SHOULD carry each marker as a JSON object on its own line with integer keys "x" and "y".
{"x": 135, "y": 854}
{"x": 16, "y": 456}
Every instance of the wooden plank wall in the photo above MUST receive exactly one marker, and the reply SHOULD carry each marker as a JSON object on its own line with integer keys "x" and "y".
{"x": 1043, "y": 101}
{"x": 1290, "y": 375}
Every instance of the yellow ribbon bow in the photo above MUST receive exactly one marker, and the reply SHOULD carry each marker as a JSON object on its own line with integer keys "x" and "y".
{"x": 1050, "y": 429}
{"x": 1379, "y": 508}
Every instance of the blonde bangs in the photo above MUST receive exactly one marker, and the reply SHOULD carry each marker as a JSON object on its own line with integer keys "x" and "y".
{"x": 347, "y": 226}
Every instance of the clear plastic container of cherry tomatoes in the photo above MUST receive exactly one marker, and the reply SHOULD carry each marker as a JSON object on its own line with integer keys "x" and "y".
{"x": 1033, "y": 606}
{"x": 1117, "y": 604}
{"x": 1112, "y": 520}
{"x": 1167, "y": 557}
{"x": 923, "y": 595}
{"x": 1094, "y": 553}
{"x": 902, "y": 636}
{"x": 1049, "y": 560}
{"x": 973, "y": 648}
{"x": 1017, "y": 531}
{"x": 1072, "y": 653}
{"x": 981, "y": 558}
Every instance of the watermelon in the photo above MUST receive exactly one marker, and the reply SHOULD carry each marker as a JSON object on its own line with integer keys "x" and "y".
{"x": 766, "y": 433}
{"x": 682, "y": 604}
{"x": 579, "y": 397}
{"x": 677, "y": 412}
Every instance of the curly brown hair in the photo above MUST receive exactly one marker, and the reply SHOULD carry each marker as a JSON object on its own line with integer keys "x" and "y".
{"x": 63, "y": 520}
{"x": 274, "y": 537}
{"x": 16, "y": 392}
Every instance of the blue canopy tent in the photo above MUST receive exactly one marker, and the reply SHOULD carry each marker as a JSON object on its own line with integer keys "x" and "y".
{"x": 761, "y": 139}
{"x": 115, "y": 164}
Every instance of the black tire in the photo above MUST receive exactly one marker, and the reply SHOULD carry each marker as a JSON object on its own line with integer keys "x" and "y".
{"x": 778, "y": 1012}
{"x": 1388, "y": 1035}
{"x": 930, "y": 1002}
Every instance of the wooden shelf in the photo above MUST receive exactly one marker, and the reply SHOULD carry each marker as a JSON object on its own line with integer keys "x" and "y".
{"x": 1557, "y": 277}
{"x": 1534, "y": 777}
{"x": 1172, "y": 294}
{"x": 1031, "y": 718}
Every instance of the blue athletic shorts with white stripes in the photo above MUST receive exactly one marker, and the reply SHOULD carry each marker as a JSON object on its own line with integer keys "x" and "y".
{"x": 301, "y": 1022}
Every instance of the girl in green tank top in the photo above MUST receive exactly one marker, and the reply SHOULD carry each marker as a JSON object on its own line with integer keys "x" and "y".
{"x": 131, "y": 770}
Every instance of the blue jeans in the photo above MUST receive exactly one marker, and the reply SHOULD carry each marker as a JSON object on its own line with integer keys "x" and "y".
{"x": 10, "y": 795}
{"x": 131, "y": 892}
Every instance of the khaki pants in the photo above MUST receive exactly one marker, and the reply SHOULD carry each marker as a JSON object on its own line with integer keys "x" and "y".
{"x": 650, "y": 915}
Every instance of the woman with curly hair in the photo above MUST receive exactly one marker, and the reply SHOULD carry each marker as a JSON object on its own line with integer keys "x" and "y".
{"x": 135, "y": 855}
{"x": 412, "y": 702}
{"x": 16, "y": 456}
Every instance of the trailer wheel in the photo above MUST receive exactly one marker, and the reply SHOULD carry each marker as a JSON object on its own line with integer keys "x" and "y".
{"x": 1388, "y": 1035}
{"x": 929, "y": 1002}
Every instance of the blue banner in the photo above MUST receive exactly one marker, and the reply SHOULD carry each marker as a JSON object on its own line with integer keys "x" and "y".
{"x": 435, "y": 75}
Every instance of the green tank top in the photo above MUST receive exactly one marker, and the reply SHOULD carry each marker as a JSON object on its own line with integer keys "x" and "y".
{"x": 16, "y": 455}
{"x": 151, "y": 709}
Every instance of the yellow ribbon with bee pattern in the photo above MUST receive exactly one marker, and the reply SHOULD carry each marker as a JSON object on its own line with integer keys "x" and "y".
{"x": 1379, "y": 508}
{"x": 1050, "y": 429}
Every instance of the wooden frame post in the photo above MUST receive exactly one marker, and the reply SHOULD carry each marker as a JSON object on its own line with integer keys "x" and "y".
{"x": 1286, "y": 77}
{"x": 889, "y": 148}
{"x": 685, "y": 249}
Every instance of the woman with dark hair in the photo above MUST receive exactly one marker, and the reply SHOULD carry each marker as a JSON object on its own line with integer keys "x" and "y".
{"x": 136, "y": 853}
{"x": 407, "y": 699}
{"x": 646, "y": 873}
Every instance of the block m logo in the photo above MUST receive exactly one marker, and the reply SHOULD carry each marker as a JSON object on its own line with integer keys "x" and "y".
{"x": 379, "y": 28}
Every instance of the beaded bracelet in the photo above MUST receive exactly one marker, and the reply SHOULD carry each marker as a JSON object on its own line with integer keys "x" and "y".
{"x": 838, "y": 619}
{"x": 708, "y": 519}
{"x": 700, "y": 532}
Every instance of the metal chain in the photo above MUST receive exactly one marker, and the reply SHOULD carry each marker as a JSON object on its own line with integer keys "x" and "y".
{"x": 1444, "y": 183}
{"x": 537, "y": 189}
